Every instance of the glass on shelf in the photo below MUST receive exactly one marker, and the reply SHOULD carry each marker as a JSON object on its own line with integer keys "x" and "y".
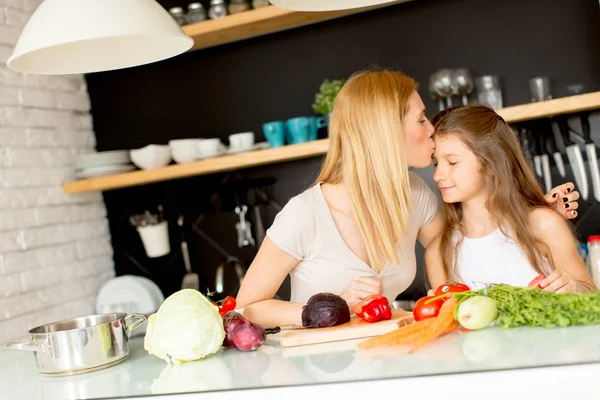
{"x": 238, "y": 6}
{"x": 217, "y": 9}
{"x": 489, "y": 91}
{"x": 196, "y": 13}
{"x": 178, "y": 15}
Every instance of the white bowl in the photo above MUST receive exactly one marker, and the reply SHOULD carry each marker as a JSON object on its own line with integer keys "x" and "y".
{"x": 210, "y": 148}
{"x": 151, "y": 156}
{"x": 184, "y": 150}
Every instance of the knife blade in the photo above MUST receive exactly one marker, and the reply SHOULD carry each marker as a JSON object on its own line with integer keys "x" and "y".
{"x": 537, "y": 152}
{"x": 575, "y": 158}
{"x": 590, "y": 148}
{"x": 552, "y": 149}
{"x": 523, "y": 135}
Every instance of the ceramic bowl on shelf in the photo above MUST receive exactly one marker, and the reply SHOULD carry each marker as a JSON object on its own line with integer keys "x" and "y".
{"x": 151, "y": 156}
{"x": 184, "y": 150}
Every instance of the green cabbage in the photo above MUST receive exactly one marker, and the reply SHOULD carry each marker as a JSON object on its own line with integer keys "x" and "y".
{"x": 186, "y": 327}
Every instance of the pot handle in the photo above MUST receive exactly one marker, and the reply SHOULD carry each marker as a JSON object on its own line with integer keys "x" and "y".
{"x": 133, "y": 321}
{"x": 23, "y": 346}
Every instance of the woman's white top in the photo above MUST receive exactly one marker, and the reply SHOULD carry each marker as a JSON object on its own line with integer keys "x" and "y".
{"x": 305, "y": 229}
{"x": 493, "y": 259}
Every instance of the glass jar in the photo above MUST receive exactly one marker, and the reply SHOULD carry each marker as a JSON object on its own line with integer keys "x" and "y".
{"x": 178, "y": 15}
{"x": 489, "y": 91}
{"x": 260, "y": 3}
{"x": 593, "y": 247}
{"x": 196, "y": 13}
{"x": 217, "y": 9}
{"x": 237, "y": 6}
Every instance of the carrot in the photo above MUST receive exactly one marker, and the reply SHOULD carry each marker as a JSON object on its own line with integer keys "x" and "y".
{"x": 398, "y": 336}
{"x": 442, "y": 323}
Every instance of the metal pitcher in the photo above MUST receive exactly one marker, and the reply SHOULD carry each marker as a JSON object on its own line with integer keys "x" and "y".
{"x": 81, "y": 345}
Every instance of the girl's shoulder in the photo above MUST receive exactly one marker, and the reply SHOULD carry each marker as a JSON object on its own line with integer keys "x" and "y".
{"x": 543, "y": 219}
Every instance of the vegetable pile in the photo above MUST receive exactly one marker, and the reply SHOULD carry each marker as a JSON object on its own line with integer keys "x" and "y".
{"x": 189, "y": 326}
{"x": 502, "y": 305}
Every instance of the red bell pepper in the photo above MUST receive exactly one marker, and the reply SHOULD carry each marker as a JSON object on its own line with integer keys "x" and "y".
{"x": 373, "y": 308}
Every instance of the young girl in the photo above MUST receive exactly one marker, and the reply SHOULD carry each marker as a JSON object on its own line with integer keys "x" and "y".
{"x": 499, "y": 228}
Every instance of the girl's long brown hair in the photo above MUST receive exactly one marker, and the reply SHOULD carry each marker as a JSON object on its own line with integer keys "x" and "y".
{"x": 512, "y": 187}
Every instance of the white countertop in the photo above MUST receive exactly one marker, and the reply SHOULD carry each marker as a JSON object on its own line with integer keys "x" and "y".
{"x": 492, "y": 349}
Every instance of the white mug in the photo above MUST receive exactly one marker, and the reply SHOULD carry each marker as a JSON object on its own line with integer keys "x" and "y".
{"x": 241, "y": 141}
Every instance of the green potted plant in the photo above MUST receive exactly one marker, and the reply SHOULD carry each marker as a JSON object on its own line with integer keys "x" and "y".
{"x": 324, "y": 98}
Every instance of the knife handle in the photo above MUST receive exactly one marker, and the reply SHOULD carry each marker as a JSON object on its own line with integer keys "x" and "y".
{"x": 585, "y": 127}
{"x": 563, "y": 127}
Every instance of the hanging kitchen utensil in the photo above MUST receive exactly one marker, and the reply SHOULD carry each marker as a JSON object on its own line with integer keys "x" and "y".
{"x": 551, "y": 147}
{"x": 545, "y": 165}
{"x": 536, "y": 150}
{"x": 524, "y": 138}
{"x": 590, "y": 148}
{"x": 191, "y": 280}
{"x": 574, "y": 156}
{"x": 244, "y": 228}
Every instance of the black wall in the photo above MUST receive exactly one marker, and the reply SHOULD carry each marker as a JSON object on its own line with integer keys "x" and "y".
{"x": 237, "y": 87}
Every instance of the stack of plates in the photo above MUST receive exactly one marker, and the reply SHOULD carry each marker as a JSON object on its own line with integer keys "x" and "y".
{"x": 102, "y": 163}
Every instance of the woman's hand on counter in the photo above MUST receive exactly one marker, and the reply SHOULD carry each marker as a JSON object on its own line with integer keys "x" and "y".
{"x": 361, "y": 287}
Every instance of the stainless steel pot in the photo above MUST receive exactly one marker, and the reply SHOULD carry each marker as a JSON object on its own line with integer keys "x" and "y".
{"x": 81, "y": 345}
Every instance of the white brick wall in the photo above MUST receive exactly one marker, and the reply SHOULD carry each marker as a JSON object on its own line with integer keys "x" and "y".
{"x": 55, "y": 250}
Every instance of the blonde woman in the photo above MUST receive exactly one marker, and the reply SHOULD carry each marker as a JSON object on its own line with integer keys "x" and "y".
{"x": 354, "y": 232}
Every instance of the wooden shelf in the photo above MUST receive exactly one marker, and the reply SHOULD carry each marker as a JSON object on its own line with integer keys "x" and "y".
{"x": 261, "y": 21}
{"x": 202, "y": 167}
{"x": 550, "y": 108}
{"x": 564, "y": 105}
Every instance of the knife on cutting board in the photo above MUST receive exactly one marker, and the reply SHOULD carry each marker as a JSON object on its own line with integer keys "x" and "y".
{"x": 590, "y": 149}
{"x": 574, "y": 156}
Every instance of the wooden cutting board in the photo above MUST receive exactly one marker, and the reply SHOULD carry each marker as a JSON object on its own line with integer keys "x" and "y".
{"x": 355, "y": 329}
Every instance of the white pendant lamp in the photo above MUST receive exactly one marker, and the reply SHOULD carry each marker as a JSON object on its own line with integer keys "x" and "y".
{"x": 326, "y": 5}
{"x": 84, "y": 36}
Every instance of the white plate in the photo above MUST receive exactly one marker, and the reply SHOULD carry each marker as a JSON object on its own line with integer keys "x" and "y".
{"x": 256, "y": 146}
{"x": 126, "y": 294}
{"x": 103, "y": 170}
{"x": 102, "y": 158}
{"x": 159, "y": 298}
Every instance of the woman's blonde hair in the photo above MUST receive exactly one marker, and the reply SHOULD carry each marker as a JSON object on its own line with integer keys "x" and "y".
{"x": 367, "y": 154}
{"x": 512, "y": 187}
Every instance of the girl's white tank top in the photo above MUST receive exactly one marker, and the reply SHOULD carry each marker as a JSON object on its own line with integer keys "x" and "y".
{"x": 493, "y": 259}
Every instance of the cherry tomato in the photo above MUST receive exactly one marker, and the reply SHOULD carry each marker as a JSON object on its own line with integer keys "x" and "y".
{"x": 227, "y": 305}
{"x": 451, "y": 288}
{"x": 423, "y": 311}
{"x": 536, "y": 281}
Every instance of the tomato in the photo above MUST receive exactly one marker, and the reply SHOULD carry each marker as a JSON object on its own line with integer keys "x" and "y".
{"x": 451, "y": 288}
{"x": 227, "y": 305}
{"x": 536, "y": 281}
{"x": 423, "y": 311}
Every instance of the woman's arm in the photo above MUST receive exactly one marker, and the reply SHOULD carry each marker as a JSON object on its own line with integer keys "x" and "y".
{"x": 264, "y": 277}
{"x": 571, "y": 274}
{"x": 429, "y": 236}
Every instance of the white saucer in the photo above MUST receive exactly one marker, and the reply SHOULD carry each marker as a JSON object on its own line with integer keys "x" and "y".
{"x": 103, "y": 170}
{"x": 256, "y": 146}
{"x": 127, "y": 294}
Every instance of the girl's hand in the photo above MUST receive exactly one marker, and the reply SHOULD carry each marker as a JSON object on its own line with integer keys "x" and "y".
{"x": 561, "y": 282}
{"x": 563, "y": 200}
{"x": 361, "y": 287}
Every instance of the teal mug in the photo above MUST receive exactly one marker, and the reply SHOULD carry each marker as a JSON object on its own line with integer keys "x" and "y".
{"x": 304, "y": 129}
{"x": 274, "y": 133}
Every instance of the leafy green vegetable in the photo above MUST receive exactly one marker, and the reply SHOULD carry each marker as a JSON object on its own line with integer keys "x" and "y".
{"x": 327, "y": 93}
{"x": 537, "y": 308}
{"x": 186, "y": 327}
